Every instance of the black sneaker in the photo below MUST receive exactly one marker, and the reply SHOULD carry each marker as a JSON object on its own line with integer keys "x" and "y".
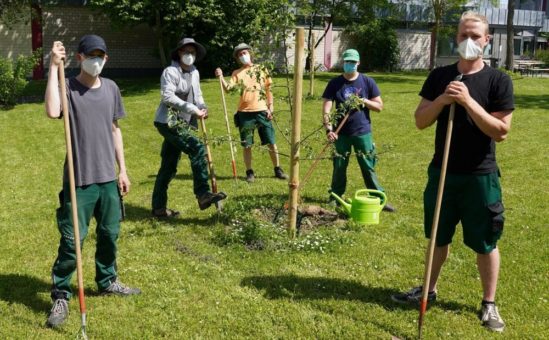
{"x": 58, "y": 314}
{"x": 389, "y": 208}
{"x": 118, "y": 288}
{"x": 206, "y": 200}
{"x": 413, "y": 296}
{"x": 279, "y": 173}
{"x": 490, "y": 318}
{"x": 250, "y": 178}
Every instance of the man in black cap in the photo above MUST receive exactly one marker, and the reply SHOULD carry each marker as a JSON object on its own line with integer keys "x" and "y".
{"x": 180, "y": 92}
{"x": 95, "y": 107}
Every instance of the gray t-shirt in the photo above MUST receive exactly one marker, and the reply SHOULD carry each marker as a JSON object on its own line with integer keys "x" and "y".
{"x": 92, "y": 113}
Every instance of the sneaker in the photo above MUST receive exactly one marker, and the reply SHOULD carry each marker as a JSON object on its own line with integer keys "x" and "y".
{"x": 279, "y": 173}
{"x": 490, "y": 317}
{"x": 250, "y": 178}
{"x": 118, "y": 288}
{"x": 389, "y": 208}
{"x": 413, "y": 296}
{"x": 209, "y": 198}
{"x": 58, "y": 314}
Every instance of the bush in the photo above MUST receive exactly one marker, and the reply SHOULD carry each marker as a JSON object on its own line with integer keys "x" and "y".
{"x": 13, "y": 77}
{"x": 543, "y": 55}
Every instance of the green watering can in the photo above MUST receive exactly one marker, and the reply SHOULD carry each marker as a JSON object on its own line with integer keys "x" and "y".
{"x": 365, "y": 206}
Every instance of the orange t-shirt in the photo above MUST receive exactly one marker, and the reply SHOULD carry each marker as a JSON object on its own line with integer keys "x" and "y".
{"x": 251, "y": 98}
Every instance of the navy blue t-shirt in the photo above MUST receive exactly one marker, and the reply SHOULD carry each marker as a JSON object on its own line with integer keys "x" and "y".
{"x": 339, "y": 89}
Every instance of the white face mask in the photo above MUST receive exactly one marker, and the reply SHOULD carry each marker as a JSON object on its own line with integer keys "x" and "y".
{"x": 469, "y": 49}
{"x": 188, "y": 59}
{"x": 244, "y": 59}
{"x": 93, "y": 66}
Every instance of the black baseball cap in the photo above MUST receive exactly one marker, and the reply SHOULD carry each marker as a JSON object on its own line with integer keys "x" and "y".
{"x": 91, "y": 42}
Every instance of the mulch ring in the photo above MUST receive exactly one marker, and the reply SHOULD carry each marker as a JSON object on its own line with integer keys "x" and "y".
{"x": 308, "y": 217}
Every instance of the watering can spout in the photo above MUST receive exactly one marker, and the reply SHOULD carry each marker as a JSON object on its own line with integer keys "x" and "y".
{"x": 346, "y": 206}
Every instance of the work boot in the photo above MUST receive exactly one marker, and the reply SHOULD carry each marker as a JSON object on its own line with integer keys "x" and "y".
{"x": 58, "y": 313}
{"x": 279, "y": 173}
{"x": 250, "y": 178}
{"x": 413, "y": 296}
{"x": 490, "y": 317}
{"x": 206, "y": 200}
{"x": 118, "y": 288}
{"x": 389, "y": 208}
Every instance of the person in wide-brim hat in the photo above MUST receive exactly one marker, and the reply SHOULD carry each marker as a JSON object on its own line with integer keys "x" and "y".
{"x": 200, "y": 49}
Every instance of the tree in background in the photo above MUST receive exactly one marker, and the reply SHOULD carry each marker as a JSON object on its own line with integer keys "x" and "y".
{"x": 373, "y": 35}
{"x": 14, "y": 11}
{"x": 218, "y": 24}
{"x": 441, "y": 9}
{"x": 321, "y": 13}
{"x": 509, "y": 58}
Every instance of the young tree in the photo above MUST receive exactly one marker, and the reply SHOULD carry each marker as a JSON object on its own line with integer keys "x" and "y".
{"x": 509, "y": 57}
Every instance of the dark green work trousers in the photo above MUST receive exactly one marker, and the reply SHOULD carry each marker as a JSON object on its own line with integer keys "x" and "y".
{"x": 175, "y": 143}
{"x": 365, "y": 155}
{"x": 101, "y": 201}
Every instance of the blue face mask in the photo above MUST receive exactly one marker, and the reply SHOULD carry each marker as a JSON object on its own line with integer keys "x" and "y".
{"x": 349, "y": 67}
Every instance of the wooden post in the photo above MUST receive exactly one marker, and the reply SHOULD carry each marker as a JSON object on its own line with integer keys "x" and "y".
{"x": 296, "y": 130}
{"x": 312, "y": 66}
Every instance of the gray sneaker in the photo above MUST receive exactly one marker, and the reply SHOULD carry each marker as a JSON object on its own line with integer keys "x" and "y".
{"x": 58, "y": 314}
{"x": 413, "y": 296}
{"x": 490, "y": 317}
{"x": 118, "y": 288}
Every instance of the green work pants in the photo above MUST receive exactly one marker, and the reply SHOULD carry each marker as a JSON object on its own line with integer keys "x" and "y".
{"x": 175, "y": 143}
{"x": 101, "y": 201}
{"x": 365, "y": 155}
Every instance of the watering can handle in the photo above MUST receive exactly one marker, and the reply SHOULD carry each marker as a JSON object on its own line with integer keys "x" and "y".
{"x": 381, "y": 194}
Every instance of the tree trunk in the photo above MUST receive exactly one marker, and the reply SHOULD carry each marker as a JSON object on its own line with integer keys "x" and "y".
{"x": 509, "y": 59}
{"x": 433, "y": 49}
{"x": 159, "y": 37}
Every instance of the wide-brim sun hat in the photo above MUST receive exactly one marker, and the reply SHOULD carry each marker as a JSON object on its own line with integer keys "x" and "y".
{"x": 200, "y": 49}
{"x": 240, "y": 47}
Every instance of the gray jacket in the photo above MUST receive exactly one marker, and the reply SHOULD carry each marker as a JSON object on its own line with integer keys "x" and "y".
{"x": 180, "y": 90}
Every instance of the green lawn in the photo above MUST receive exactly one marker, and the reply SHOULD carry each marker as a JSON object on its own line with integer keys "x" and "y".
{"x": 194, "y": 287}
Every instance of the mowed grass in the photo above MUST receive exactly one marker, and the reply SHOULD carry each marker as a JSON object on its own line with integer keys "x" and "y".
{"x": 195, "y": 288}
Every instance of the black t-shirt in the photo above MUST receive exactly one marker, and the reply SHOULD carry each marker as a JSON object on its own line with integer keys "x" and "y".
{"x": 471, "y": 151}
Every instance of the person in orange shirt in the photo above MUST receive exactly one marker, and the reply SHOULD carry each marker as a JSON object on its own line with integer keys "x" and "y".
{"x": 255, "y": 108}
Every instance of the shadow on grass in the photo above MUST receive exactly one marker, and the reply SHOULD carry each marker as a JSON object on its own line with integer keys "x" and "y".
{"x": 319, "y": 288}
{"x": 24, "y": 289}
{"x": 138, "y": 213}
{"x": 189, "y": 177}
{"x": 532, "y": 102}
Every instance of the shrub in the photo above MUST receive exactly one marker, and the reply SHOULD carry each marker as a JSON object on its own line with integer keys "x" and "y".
{"x": 543, "y": 55}
{"x": 13, "y": 77}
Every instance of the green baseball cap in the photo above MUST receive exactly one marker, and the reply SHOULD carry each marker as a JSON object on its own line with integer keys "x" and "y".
{"x": 351, "y": 55}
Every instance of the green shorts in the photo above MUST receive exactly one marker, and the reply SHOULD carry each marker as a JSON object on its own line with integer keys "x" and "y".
{"x": 248, "y": 121}
{"x": 475, "y": 200}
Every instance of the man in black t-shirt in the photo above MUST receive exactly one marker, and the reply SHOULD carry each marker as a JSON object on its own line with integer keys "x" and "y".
{"x": 472, "y": 193}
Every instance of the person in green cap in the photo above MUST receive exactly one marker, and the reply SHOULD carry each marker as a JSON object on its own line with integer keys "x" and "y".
{"x": 357, "y": 130}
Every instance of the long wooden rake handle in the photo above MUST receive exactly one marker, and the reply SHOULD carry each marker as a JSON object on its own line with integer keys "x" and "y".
{"x": 209, "y": 155}
{"x": 76, "y": 230}
{"x": 231, "y": 146}
{"x": 434, "y": 227}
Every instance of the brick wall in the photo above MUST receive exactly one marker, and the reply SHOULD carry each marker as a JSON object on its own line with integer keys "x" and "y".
{"x": 15, "y": 41}
{"x": 127, "y": 48}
